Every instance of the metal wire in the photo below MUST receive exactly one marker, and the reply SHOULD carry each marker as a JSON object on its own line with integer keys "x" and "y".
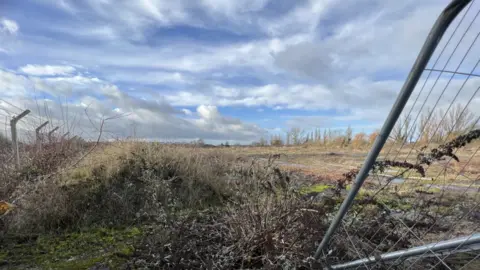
{"x": 436, "y": 81}
{"x": 430, "y": 73}
{"x": 475, "y": 258}
{"x": 449, "y": 159}
{"x": 438, "y": 128}
{"x": 451, "y": 230}
{"x": 474, "y": 154}
{"x": 411, "y": 251}
{"x": 464, "y": 193}
{"x": 453, "y": 72}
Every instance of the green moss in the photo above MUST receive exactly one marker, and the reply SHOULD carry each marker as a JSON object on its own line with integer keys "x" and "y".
{"x": 126, "y": 251}
{"x": 315, "y": 188}
{"x": 135, "y": 232}
{"x": 395, "y": 203}
{"x": 75, "y": 250}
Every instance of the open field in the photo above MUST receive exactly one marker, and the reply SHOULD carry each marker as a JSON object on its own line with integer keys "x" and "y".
{"x": 333, "y": 162}
{"x": 136, "y": 205}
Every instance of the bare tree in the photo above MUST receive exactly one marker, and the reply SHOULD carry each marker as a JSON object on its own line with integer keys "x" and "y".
{"x": 438, "y": 126}
{"x": 263, "y": 142}
{"x": 297, "y": 135}
{"x": 318, "y": 135}
{"x": 426, "y": 127}
{"x": 404, "y": 130}
{"x": 458, "y": 120}
{"x": 348, "y": 136}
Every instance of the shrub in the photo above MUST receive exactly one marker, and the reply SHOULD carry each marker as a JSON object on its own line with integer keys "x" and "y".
{"x": 126, "y": 186}
{"x": 360, "y": 140}
{"x": 372, "y": 137}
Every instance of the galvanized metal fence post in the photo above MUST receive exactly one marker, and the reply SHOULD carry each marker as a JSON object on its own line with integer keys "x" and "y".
{"x": 13, "y": 127}
{"x": 436, "y": 33}
{"x": 50, "y": 134}
{"x": 38, "y": 137}
{"x": 415, "y": 251}
{"x": 65, "y": 135}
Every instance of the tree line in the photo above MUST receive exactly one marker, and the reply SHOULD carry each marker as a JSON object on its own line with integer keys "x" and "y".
{"x": 427, "y": 127}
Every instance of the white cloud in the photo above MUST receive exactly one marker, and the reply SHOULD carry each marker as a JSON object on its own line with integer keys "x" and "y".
{"x": 385, "y": 37}
{"x": 150, "y": 77}
{"x": 348, "y": 56}
{"x": 153, "y": 117}
{"x": 187, "y": 112}
{"x": 8, "y": 34}
{"x": 302, "y": 18}
{"x": 47, "y": 70}
{"x": 296, "y": 96}
{"x": 356, "y": 100}
{"x": 323, "y": 47}
{"x": 8, "y": 26}
{"x": 207, "y": 112}
{"x": 211, "y": 119}
{"x": 13, "y": 85}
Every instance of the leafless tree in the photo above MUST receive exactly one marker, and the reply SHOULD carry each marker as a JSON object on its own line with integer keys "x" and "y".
{"x": 458, "y": 120}
{"x": 348, "y": 135}
{"x": 297, "y": 135}
{"x": 404, "y": 130}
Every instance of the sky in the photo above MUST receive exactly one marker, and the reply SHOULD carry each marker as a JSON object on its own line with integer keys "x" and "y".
{"x": 222, "y": 70}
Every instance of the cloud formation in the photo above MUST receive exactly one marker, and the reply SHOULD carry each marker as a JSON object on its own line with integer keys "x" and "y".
{"x": 208, "y": 68}
{"x": 8, "y": 33}
{"x": 8, "y": 26}
{"x": 152, "y": 118}
{"x": 48, "y": 70}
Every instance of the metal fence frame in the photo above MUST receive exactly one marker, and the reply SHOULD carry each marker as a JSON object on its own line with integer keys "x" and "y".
{"x": 436, "y": 33}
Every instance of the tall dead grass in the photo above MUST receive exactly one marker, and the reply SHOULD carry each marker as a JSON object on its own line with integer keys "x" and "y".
{"x": 117, "y": 184}
{"x": 235, "y": 212}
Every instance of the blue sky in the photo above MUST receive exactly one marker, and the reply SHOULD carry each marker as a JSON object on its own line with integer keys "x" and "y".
{"x": 212, "y": 69}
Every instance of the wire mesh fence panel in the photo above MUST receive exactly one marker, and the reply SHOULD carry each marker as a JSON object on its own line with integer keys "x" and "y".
{"x": 419, "y": 205}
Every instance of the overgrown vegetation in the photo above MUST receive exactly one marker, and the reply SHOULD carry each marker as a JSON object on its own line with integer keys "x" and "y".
{"x": 194, "y": 207}
{"x": 136, "y": 205}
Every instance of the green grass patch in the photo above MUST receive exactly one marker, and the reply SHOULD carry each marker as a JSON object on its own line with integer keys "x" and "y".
{"x": 315, "y": 188}
{"x": 75, "y": 250}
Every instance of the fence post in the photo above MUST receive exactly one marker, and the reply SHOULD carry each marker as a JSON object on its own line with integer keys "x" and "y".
{"x": 73, "y": 139}
{"x": 65, "y": 135}
{"x": 38, "y": 137}
{"x": 436, "y": 33}
{"x": 13, "y": 127}
{"x": 50, "y": 133}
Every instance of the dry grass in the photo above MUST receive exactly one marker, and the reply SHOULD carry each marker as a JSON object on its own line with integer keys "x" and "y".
{"x": 257, "y": 217}
{"x": 325, "y": 162}
{"x": 197, "y": 208}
